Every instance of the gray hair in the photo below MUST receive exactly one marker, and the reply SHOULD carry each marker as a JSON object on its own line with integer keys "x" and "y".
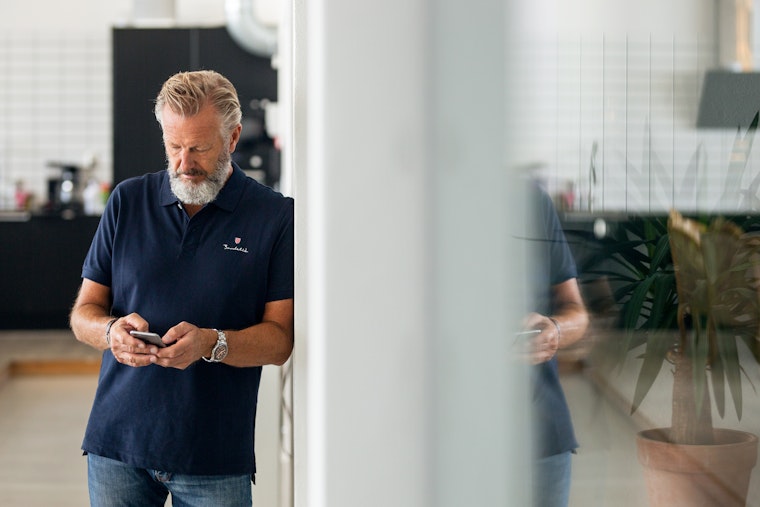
{"x": 187, "y": 92}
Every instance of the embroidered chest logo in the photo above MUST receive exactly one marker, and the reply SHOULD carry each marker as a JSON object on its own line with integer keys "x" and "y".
{"x": 236, "y": 247}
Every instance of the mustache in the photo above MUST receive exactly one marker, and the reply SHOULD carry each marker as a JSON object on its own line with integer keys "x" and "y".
{"x": 191, "y": 172}
{"x": 213, "y": 176}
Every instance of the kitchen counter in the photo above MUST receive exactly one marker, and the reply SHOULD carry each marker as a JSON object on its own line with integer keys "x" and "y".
{"x": 15, "y": 216}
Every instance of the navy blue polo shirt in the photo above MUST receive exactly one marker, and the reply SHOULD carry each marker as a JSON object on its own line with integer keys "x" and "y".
{"x": 553, "y": 264}
{"x": 217, "y": 269}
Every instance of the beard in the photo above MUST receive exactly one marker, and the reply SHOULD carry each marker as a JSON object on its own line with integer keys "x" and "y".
{"x": 204, "y": 192}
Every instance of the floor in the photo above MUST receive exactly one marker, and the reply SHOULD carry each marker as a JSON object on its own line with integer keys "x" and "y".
{"x": 41, "y": 427}
{"x": 43, "y": 411}
{"x": 606, "y": 471}
{"x": 47, "y": 383}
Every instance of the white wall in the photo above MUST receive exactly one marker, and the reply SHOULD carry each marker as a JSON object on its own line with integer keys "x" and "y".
{"x": 94, "y": 16}
{"x": 625, "y": 76}
{"x": 669, "y": 17}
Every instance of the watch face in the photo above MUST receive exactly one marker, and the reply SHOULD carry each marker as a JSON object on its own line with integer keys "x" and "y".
{"x": 220, "y": 352}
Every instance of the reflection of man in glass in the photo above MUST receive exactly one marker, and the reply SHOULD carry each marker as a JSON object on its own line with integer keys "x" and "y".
{"x": 558, "y": 320}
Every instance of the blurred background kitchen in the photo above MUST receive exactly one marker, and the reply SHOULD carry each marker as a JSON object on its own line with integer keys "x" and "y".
{"x": 399, "y": 127}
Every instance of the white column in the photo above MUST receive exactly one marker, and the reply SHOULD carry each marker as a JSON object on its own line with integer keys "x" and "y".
{"x": 402, "y": 395}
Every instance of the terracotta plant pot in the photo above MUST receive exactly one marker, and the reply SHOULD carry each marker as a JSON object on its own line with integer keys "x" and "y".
{"x": 697, "y": 475}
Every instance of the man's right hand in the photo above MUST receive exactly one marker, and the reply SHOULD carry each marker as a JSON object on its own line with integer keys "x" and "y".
{"x": 127, "y": 349}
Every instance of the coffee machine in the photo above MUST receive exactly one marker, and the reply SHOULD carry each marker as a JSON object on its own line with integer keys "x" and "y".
{"x": 64, "y": 190}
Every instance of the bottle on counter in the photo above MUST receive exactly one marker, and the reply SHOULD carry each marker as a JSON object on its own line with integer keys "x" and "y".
{"x": 21, "y": 198}
{"x": 92, "y": 195}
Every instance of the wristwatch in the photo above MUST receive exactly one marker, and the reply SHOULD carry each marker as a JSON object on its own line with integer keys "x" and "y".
{"x": 219, "y": 352}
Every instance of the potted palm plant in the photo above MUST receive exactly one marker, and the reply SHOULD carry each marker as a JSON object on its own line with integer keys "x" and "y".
{"x": 690, "y": 294}
{"x": 717, "y": 280}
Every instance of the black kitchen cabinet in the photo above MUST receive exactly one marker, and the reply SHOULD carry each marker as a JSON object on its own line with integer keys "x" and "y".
{"x": 143, "y": 58}
{"x": 40, "y": 268}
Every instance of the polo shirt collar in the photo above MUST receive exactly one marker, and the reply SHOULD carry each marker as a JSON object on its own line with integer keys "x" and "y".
{"x": 228, "y": 196}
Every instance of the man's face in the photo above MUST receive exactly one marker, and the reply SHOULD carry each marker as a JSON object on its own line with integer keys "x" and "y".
{"x": 198, "y": 156}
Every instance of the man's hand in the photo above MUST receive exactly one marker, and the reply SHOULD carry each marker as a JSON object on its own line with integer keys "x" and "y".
{"x": 127, "y": 349}
{"x": 542, "y": 345}
{"x": 186, "y": 344}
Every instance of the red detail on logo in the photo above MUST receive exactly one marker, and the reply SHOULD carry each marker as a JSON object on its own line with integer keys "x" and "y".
{"x": 237, "y": 241}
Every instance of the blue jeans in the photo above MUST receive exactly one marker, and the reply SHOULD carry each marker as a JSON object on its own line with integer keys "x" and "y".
{"x": 116, "y": 484}
{"x": 551, "y": 481}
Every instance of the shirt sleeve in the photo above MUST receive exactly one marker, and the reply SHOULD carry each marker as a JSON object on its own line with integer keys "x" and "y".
{"x": 97, "y": 263}
{"x": 561, "y": 261}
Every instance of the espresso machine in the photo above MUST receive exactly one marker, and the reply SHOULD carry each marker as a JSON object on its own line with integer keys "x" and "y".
{"x": 64, "y": 189}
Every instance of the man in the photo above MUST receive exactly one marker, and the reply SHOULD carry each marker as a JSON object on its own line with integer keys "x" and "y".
{"x": 202, "y": 255}
{"x": 560, "y": 319}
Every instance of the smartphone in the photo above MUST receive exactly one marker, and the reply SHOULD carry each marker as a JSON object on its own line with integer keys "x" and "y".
{"x": 526, "y": 335}
{"x": 151, "y": 338}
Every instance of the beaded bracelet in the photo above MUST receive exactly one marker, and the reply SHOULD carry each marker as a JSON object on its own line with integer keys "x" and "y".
{"x": 108, "y": 330}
